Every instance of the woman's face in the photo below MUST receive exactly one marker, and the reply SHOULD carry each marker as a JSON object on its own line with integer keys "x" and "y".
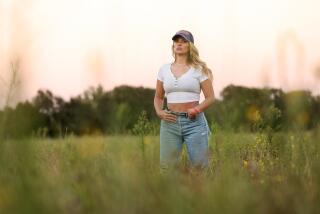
{"x": 180, "y": 46}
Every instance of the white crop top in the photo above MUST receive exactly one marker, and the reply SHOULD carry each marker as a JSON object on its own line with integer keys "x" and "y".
{"x": 185, "y": 88}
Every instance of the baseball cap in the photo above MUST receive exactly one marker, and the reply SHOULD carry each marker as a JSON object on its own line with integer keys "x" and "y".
{"x": 184, "y": 34}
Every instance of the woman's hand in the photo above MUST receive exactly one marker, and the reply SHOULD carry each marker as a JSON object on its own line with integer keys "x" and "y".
{"x": 165, "y": 115}
{"x": 192, "y": 112}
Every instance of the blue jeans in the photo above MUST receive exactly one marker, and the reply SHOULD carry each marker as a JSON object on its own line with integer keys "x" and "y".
{"x": 193, "y": 132}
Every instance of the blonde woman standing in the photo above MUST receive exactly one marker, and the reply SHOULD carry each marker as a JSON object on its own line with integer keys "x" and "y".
{"x": 183, "y": 121}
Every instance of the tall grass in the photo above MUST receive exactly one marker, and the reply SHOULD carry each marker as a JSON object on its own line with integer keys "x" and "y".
{"x": 110, "y": 175}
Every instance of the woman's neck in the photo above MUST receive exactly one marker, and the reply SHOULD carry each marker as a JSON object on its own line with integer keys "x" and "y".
{"x": 181, "y": 60}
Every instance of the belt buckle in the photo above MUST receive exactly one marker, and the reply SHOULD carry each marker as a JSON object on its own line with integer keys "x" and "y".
{"x": 183, "y": 114}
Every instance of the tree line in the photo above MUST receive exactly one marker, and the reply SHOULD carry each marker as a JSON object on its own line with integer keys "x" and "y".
{"x": 97, "y": 111}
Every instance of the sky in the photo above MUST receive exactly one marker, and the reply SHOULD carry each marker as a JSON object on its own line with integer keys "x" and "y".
{"x": 68, "y": 46}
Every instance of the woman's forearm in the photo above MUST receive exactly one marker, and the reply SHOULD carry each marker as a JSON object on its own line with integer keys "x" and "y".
{"x": 158, "y": 103}
{"x": 205, "y": 104}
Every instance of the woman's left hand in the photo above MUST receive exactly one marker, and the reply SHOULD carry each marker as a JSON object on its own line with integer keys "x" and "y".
{"x": 192, "y": 113}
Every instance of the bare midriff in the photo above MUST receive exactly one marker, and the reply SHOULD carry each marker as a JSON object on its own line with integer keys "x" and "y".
{"x": 182, "y": 107}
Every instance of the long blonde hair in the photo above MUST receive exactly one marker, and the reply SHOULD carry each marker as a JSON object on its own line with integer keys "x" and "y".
{"x": 195, "y": 61}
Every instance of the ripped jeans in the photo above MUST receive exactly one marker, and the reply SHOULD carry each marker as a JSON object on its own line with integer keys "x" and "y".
{"x": 193, "y": 132}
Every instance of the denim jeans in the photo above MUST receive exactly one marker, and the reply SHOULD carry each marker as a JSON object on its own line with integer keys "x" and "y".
{"x": 193, "y": 132}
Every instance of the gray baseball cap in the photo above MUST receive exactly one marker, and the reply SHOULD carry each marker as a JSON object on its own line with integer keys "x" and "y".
{"x": 184, "y": 34}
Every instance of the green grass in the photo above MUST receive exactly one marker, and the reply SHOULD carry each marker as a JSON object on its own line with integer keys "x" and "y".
{"x": 109, "y": 174}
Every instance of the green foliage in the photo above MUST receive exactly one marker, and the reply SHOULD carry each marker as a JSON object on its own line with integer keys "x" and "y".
{"x": 143, "y": 127}
{"x": 300, "y": 109}
{"x": 122, "y": 116}
{"x": 215, "y": 127}
{"x": 99, "y": 112}
{"x": 269, "y": 120}
{"x": 21, "y": 121}
{"x": 241, "y": 107}
{"x": 110, "y": 174}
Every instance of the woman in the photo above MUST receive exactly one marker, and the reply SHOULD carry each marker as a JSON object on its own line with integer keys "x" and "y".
{"x": 183, "y": 120}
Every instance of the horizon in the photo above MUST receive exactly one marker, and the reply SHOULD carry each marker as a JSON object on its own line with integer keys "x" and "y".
{"x": 124, "y": 85}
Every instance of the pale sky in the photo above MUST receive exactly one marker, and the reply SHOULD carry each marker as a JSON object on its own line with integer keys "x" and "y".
{"x": 68, "y": 45}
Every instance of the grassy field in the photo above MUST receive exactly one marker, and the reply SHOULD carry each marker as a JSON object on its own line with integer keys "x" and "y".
{"x": 248, "y": 174}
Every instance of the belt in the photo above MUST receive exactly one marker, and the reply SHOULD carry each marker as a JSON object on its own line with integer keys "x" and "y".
{"x": 183, "y": 114}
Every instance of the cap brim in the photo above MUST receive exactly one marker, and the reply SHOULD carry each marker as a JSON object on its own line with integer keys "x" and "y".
{"x": 180, "y": 35}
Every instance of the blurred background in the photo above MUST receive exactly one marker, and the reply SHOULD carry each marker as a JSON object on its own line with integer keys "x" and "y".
{"x": 78, "y": 130}
{"x": 67, "y": 46}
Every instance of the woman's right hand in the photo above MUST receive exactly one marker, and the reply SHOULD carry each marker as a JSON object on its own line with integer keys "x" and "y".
{"x": 165, "y": 115}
